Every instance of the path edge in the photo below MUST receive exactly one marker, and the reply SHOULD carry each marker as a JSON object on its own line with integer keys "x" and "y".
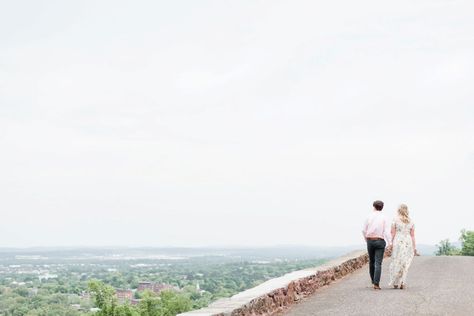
{"x": 275, "y": 295}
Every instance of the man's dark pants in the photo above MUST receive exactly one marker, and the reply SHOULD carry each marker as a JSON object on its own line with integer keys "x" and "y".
{"x": 376, "y": 249}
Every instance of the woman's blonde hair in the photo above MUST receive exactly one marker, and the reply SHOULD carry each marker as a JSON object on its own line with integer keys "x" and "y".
{"x": 403, "y": 213}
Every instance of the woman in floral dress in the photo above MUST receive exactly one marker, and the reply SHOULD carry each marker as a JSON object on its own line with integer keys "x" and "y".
{"x": 404, "y": 247}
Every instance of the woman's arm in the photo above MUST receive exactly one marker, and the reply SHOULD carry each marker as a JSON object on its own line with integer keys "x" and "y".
{"x": 393, "y": 231}
{"x": 412, "y": 233}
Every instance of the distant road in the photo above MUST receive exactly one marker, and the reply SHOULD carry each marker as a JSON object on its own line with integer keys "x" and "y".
{"x": 435, "y": 286}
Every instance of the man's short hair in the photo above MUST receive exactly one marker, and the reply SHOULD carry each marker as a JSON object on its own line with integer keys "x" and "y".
{"x": 378, "y": 205}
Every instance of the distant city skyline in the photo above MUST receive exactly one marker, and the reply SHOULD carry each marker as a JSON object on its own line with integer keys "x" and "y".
{"x": 219, "y": 123}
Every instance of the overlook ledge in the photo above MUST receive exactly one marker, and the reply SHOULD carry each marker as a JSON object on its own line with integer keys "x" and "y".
{"x": 275, "y": 295}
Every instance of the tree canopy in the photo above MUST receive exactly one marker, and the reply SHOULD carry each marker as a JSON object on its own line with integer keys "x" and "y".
{"x": 446, "y": 248}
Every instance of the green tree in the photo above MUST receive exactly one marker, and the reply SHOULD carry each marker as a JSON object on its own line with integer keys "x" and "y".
{"x": 174, "y": 303}
{"x": 104, "y": 298}
{"x": 150, "y": 304}
{"x": 445, "y": 248}
{"x": 168, "y": 303}
{"x": 467, "y": 239}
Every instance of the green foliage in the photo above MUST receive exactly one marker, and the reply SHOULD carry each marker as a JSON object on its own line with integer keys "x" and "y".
{"x": 103, "y": 294}
{"x": 172, "y": 303}
{"x": 200, "y": 280}
{"x": 467, "y": 239}
{"x": 168, "y": 303}
{"x": 105, "y": 299}
{"x": 21, "y": 302}
{"x": 149, "y": 305}
{"x": 445, "y": 248}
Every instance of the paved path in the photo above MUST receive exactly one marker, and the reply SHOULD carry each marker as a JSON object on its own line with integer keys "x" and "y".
{"x": 435, "y": 286}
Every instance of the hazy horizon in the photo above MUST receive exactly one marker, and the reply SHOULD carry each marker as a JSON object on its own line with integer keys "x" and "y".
{"x": 249, "y": 123}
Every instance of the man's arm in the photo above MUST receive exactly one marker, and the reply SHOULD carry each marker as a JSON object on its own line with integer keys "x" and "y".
{"x": 387, "y": 231}
{"x": 364, "y": 229}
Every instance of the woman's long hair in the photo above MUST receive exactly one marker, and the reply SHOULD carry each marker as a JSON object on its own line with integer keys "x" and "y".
{"x": 403, "y": 213}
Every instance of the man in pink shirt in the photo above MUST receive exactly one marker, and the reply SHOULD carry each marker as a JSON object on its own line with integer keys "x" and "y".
{"x": 376, "y": 232}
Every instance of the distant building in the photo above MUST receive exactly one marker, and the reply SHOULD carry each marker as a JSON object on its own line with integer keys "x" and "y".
{"x": 47, "y": 276}
{"x": 198, "y": 288}
{"x": 76, "y": 306}
{"x": 154, "y": 287}
{"x": 142, "y": 286}
{"x": 124, "y": 295}
{"x": 85, "y": 295}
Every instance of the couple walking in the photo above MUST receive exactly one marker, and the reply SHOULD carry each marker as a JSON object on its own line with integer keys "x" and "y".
{"x": 399, "y": 237}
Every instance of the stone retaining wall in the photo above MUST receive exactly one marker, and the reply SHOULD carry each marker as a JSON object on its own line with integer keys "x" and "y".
{"x": 274, "y": 295}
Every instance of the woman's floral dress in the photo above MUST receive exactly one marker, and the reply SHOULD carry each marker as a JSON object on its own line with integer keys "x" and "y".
{"x": 402, "y": 252}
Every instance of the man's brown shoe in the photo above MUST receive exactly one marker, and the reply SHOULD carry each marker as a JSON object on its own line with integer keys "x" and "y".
{"x": 376, "y": 287}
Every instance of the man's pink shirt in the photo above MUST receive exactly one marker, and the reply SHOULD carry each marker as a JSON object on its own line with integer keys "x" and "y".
{"x": 377, "y": 226}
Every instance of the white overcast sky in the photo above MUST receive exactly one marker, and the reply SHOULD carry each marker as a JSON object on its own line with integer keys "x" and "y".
{"x": 198, "y": 123}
